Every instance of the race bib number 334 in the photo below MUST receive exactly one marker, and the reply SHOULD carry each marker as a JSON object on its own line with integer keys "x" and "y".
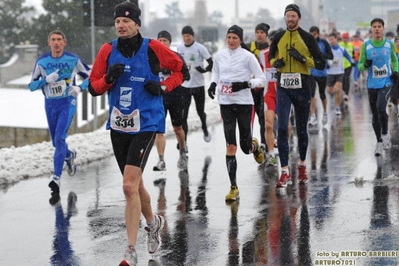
{"x": 291, "y": 80}
{"x": 125, "y": 122}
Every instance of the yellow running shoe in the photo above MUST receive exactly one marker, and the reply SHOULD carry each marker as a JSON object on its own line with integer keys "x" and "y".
{"x": 234, "y": 194}
{"x": 233, "y": 207}
{"x": 258, "y": 155}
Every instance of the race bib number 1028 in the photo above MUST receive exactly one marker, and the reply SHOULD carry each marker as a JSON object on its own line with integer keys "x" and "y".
{"x": 291, "y": 80}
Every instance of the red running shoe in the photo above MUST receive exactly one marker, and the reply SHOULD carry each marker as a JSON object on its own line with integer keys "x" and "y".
{"x": 302, "y": 175}
{"x": 284, "y": 180}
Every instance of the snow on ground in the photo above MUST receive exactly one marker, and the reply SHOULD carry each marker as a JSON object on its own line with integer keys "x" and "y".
{"x": 37, "y": 159}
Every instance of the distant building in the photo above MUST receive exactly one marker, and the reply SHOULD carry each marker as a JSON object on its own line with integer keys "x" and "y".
{"x": 347, "y": 15}
{"x": 21, "y": 63}
{"x": 393, "y": 20}
{"x": 248, "y": 24}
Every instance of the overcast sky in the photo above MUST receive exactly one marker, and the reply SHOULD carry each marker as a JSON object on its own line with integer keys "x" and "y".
{"x": 225, "y": 6}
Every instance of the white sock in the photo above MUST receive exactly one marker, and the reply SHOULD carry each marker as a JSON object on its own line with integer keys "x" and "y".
{"x": 152, "y": 224}
{"x": 285, "y": 171}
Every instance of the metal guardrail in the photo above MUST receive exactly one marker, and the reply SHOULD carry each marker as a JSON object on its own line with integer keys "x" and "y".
{"x": 31, "y": 127}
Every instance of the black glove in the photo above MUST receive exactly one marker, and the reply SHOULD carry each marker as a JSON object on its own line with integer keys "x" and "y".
{"x": 92, "y": 92}
{"x": 200, "y": 69}
{"x": 395, "y": 76}
{"x": 211, "y": 90}
{"x": 166, "y": 71}
{"x": 153, "y": 87}
{"x": 353, "y": 64}
{"x": 279, "y": 63}
{"x": 295, "y": 54}
{"x": 114, "y": 72}
{"x": 368, "y": 63}
{"x": 209, "y": 68}
{"x": 237, "y": 86}
{"x": 186, "y": 76}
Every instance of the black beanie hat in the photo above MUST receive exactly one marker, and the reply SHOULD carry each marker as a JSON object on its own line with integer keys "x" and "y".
{"x": 314, "y": 29}
{"x": 263, "y": 27}
{"x": 165, "y": 34}
{"x": 237, "y": 30}
{"x": 132, "y": 12}
{"x": 187, "y": 30}
{"x": 293, "y": 7}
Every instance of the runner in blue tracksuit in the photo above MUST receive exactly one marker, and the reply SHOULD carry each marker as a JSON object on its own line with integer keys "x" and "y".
{"x": 319, "y": 77}
{"x": 378, "y": 57}
{"x": 54, "y": 74}
{"x": 336, "y": 71}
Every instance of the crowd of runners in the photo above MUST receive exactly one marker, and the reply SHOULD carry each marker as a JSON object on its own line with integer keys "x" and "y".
{"x": 275, "y": 77}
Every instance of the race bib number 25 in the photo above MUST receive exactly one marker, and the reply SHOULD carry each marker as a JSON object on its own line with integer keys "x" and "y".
{"x": 226, "y": 88}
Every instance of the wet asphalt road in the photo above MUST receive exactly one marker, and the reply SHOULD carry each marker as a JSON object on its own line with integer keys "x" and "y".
{"x": 350, "y": 204}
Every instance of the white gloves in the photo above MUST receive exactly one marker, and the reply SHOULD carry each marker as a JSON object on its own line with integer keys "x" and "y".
{"x": 74, "y": 91}
{"x": 51, "y": 78}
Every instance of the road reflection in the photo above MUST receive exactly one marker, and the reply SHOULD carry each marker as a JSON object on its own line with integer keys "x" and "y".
{"x": 234, "y": 245}
{"x": 380, "y": 234}
{"x": 175, "y": 240}
{"x": 184, "y": 243}
{"x": 279, "y": 237}
{"x": 63, "y": 253}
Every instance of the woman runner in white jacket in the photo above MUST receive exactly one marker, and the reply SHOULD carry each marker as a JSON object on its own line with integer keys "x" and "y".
{"x": 235, "y": 72}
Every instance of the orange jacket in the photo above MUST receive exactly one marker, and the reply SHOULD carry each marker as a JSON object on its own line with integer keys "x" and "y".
{"x": 357, "y": 45}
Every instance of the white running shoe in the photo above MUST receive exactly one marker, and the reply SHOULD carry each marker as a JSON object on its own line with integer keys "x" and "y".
{"x": 325, "y": 119}
{"x": 130, "y": 258}
{"x": 378, "y": 149}
{"x": 161, "y": 166}
{"x": 207, "y": 135}
{"x": 154, "y": 234}
{"x": 71, "y": 166}
{"x": 337, "y": 111}
{"x": 313, "y": 120}
{"x": 386, "y": 141}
